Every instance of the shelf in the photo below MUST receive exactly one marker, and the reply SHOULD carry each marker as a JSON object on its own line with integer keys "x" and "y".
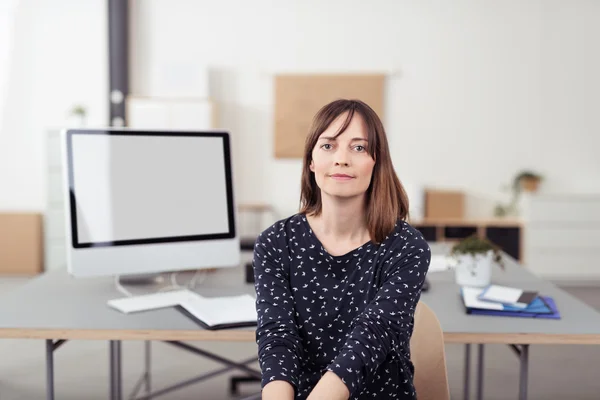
{"x": 505, "y": 233}
{"x": 468, "y": 222}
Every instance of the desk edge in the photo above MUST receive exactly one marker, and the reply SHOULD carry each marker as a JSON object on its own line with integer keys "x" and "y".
{"x": 522, "y": 338}
{"x": 247, "y": 335}
{"x": 225, "y": 335}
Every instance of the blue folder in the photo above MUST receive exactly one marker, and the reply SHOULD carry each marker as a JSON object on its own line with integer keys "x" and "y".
{"x": 541, "y": 307}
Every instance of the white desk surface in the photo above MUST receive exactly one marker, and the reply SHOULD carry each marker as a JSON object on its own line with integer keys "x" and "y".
{"x": 57, "y": 306}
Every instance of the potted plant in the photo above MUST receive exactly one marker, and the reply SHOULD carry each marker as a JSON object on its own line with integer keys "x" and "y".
{"x": 473, "y": 259}
{"x": 524, "y": 181}
{"x": 77, "y": 116}
{"x": 527, "y": 181}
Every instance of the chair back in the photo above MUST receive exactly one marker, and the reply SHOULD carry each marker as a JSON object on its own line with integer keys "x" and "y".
{"x": 428, "y": 356}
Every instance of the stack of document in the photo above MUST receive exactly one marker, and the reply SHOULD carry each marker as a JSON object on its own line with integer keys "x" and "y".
{"x": 209, "y": 312}
{"x": 508, "y": 302}
{"x": 221, "y": 312}
{"x": 509, "y": 296}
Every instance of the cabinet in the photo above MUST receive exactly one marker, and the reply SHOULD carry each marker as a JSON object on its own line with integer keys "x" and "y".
{"x": 508, "y": 234}
{"x": 20, "y": 243}
{"x": 563, "y": 235}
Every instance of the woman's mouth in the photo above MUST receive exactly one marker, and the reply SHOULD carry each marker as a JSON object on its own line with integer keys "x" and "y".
{"x": 341, "y": 177}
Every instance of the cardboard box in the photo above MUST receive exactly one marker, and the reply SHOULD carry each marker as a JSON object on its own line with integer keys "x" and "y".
{"x": 21, "y": 243}
{"x": 444, "y": 204}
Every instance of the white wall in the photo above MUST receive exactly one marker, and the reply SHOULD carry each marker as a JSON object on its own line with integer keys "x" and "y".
{"x": 486, "y": 88}
{"x": 59, "y": 59}
{"x": 571, "y": 93}
{"x": 7, "y": 18}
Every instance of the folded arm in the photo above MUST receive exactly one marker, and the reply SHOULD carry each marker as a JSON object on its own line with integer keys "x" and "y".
{"x": 279, "y": 346}
{"x": 386, "y": 324}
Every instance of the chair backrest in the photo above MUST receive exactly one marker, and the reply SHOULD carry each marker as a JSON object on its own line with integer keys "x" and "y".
{"x": 428, "y": 356}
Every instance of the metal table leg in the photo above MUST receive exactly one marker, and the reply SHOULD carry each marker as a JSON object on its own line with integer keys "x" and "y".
{"x": 147, "y": 374}
{"x": 467, "y": 371}
{"x": 51, "y": 345}
{"x": 480, "y": 361}
{"x": 523, "y": 378}
{"x": 145, "y": 378}
{"x": 188, "y": 382}
{"x": 116, "y": 390}
{"x": 229, "y": 365}
{"x": 214, "y": 357}
{"x": 49, "y": 369}
{"x": 523, "y": 354}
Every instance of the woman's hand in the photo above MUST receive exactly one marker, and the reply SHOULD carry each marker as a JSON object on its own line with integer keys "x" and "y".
{"x": 330, "y": 387}
{"x": 278, "y": 390}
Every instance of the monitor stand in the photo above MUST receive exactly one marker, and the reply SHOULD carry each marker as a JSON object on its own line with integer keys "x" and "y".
{"x": 141, "y": 279}
{"x": 150, "y": 282}
{"x": 157, "y": 282}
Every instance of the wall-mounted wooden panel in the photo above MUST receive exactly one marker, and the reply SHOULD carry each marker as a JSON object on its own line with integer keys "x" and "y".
{"x": 299, "y": 97}
{"x": 21, "y": 248}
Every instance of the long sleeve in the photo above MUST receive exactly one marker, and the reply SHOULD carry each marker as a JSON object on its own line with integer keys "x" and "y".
{"x": 386, "y": 323}
{"x": 279, "y": 345}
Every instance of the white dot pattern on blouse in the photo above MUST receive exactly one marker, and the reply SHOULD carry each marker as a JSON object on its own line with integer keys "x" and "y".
{"x": 350, "y": 314}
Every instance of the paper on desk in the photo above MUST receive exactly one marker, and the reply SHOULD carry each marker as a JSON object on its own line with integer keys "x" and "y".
{"x": 222, "y": 310}
{"x": 210, "y": 310}
{"x": 470, "y": 297}
{"x": 514, "y": 297}
{"x": 150, "y": 301}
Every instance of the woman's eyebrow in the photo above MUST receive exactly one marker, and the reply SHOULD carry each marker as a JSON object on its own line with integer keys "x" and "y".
{"x": 332, "y": 138}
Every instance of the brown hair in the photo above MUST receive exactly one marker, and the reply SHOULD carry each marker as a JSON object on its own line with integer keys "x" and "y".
{"x": 386, "y": 199}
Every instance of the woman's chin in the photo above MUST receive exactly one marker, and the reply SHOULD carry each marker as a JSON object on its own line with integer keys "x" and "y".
{"x": 345, "y": 195}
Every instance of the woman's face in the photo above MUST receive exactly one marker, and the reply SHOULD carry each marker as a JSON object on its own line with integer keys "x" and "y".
{"x": 343, "y": 166}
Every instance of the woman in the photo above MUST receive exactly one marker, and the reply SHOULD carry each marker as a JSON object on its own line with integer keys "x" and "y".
{"x": 337, "y": 284}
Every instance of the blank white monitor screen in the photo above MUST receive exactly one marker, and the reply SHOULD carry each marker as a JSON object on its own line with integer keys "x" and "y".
{"x": 149, "y": 187}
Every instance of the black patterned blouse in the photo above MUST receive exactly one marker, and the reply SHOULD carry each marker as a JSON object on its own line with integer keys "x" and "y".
{"x": 350, "y": 314}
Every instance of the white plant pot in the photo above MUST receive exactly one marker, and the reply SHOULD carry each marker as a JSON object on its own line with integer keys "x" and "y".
{"x": 76, "y": 121}
{"x": 475, "y": 271}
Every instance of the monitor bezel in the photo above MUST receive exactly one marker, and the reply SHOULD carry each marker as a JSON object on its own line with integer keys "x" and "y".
{"x": 224, "y": 135}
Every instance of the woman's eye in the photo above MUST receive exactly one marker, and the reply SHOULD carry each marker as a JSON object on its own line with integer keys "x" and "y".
{"x": 360, "y": 148}
{"x": 326, "y": 146}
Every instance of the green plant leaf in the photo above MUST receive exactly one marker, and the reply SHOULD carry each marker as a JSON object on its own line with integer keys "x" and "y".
{"x": 474, "y": 245}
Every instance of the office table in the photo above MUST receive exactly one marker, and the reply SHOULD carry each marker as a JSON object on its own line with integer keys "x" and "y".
{"x": 56, "y": 308}
{"x": 579, "y": 323}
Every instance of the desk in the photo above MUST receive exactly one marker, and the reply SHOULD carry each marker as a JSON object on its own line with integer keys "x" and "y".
{"x": 56, "y": 307}
{"x": 579, "y": 323}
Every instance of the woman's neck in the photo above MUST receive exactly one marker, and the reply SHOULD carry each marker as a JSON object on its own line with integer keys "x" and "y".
{"x": 343, "y": 220}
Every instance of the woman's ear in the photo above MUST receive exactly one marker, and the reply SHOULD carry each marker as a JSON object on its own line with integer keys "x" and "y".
{"x": 312, "y": 166}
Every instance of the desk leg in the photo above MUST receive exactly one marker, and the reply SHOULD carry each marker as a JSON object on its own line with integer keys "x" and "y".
{"x": 524, "y": 357}
{"x": 51, "y": 346}
{"x": 480, "y": 362}
{"x": 466, "y": 384}
{"x": 116, "y": 391}
{"x": 148, "y": 365}
{"x": 523, "y": 354}
{"x": 49, "y": 369}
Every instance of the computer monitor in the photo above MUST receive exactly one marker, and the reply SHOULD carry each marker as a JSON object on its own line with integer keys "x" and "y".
{"x": 142, "y": 202}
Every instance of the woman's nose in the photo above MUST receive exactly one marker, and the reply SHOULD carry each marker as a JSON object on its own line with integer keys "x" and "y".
{"x": 341, "y": 158}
